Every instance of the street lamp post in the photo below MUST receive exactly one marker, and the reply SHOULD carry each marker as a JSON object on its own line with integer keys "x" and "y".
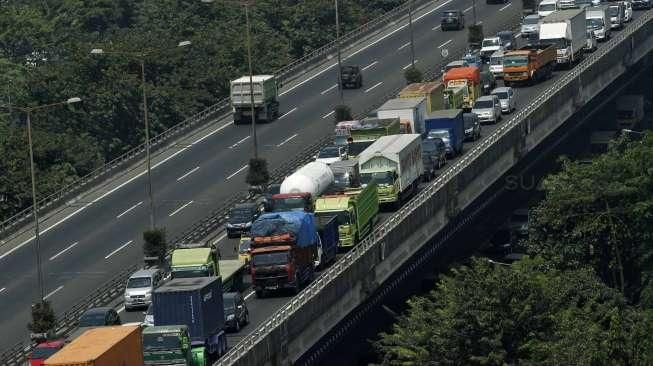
{"x": 37, "y": 242}
{"x": 342, "y": 100}
{"x": 148, "y": 160}
{"x": 410, "y": 28}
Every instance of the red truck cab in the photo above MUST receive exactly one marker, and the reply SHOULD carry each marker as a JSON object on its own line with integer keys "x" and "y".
{"x": 44, "y": 350}
{"x": 284, "y": 202}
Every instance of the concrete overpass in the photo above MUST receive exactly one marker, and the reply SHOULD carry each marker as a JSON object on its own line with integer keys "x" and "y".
{"x": 439, "y": 210}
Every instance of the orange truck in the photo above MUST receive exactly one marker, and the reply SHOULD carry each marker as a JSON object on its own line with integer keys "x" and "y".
{"x": 102, "y": 346}
{"x": 469, "y": 78}
{"x": 529, "y": 64}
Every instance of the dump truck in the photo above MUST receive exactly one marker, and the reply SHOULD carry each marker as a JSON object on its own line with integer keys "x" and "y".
{"x": 468, "y": 77}
{"x": 300, "y": 189}
{"x": 197, "y": 304}
{"x": 566, "y": 30}
{"x": 432, "y": 91}
{"x": 395, "y": 164}
{"x": 529, "y": 64}
{"x": 355, "y": 211}
{"x": 346, "y": 176}
{"x": 170, "y": 345}
{"x": 190, "y": 260}
{"x": 266, "y": 99}
{"x": 327, "y": 247}
{"x": 448, "y": 125}
{"x": 102, "y": 346}
{"x": 284, "y": 251}
{"x": 630, "y": 110}
{"x": 368, "y": 131}
{"x": 411, "y": 110}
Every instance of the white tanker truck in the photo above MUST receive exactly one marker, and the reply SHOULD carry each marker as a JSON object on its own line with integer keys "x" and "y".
{"x": 300, "y": 189}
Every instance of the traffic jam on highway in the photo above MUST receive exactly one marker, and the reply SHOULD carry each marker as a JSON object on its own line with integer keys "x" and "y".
{"x": 295, "y": 228}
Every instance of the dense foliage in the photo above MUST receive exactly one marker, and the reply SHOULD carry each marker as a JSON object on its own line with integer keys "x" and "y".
{"x": 45, "y": 57}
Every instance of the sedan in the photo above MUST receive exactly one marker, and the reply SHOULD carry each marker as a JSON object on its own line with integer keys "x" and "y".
{"x": 506, "y": 97}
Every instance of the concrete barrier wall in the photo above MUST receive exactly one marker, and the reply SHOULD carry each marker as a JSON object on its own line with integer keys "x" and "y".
{"x": 286, "y": 336}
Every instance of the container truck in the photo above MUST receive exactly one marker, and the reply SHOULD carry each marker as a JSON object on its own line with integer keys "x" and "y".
{"x": 597, "y": 19}
{"x": 470, "y": 78}
{"x": 266, "y": 95}
{"x": 529, "y": 64}
{"x": 190, "y": 260}
{"x": 284, "y": 250}
{"x": 327, "y": 247}
{"x": 342, "y": 132}
{"x": 448, "y": 125}
{"x": 300, "y": 189}
{"x": 432, "y": 91}
{"x": 395, "y": 164}
{"x": 170, "y": 345}
{"x": 356, "y": 212}
{"x": 566, "y": 30}
{"x": 369, "y": 130}
{"x": 197, "y": 304}
{"x": 102, "y": 346}
{"x": 411, "y": 110}
{"x": 630, "y": 110}
{"x": 346, "y": 176}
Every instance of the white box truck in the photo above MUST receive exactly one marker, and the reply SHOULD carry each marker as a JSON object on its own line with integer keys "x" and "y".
{"x": 410, "y": 111}
{"x": 266, "y": 99}
{"x": 598, "y": 20}
{"x": 566, "y": 30}
{"x": 395, "y": 163}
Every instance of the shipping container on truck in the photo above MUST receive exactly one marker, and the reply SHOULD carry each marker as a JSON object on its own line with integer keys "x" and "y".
{"x": 369, "y": 130}
{"x": 356, "y": 212}
{"x": 102, "y": 346}
{"x": 197, "y": 304}
{"x": 327, "y": 230}
{"x": 395, "y": 164}
{"x": 468, "y": 77}
{"x": 284, "y": 248}
{"x": 300, "y": 189}
{"x": 266, "y": 95}
{"x": 411, "y": 110}
{"x": 452, "y": 121}
{"x": 529, "y": 64}
{"x": 432, "y": 91}
{"x": 567, "y": 31}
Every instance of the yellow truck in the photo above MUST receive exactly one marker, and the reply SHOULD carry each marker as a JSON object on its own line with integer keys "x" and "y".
{"x": 199, "y": 260}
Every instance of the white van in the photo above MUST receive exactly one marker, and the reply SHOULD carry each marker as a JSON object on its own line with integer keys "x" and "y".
{"x": 547, "y": 7}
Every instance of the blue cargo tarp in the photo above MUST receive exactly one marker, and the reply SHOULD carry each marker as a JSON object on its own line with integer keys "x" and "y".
{"x": 298, "y": 224}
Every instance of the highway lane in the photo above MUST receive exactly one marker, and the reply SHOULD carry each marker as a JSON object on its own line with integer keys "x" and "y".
{"x": 185, "y": 193}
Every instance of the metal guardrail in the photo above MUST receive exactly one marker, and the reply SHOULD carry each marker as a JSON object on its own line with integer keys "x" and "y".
{"x": 220, "y": 108}
{"x": 376, "y": 237}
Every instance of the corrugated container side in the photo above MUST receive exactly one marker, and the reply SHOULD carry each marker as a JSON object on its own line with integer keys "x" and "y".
{"x": 92, "y": 349}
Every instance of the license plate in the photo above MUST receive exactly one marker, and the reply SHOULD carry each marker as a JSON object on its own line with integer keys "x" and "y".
{"x": 271, "y": 287}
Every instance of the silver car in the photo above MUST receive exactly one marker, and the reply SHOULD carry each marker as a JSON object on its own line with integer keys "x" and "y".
{"x": 139, "y": 288}
{"x": 506, "y": 97}
{"x": 488, "y": 109}
{"x": 530, "y": 25}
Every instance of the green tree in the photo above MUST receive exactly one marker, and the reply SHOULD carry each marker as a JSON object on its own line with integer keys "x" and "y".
{"x": 342, "y": 113}
{"x": 413, "y": 75}
{"x": 155, "y": 244}
{"x": 475, "y": 35}
{"x": 257, "y": 175}
{"x": 43, "y": 319}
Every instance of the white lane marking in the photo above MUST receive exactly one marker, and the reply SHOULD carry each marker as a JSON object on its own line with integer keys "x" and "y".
{"x": 249, "y": 295}
{"x": 517, "y": 35}
{"x": 445, "y": 43}
{"x": 239, "y": 142}
{"x": 436, "y": 27}
{"x": 409, "y": 65}
{"x": 129, "y": 209}
{"x": 45, "y": 230}
{"x": 2, "y": 289}
{"x": 219, "y": 239}
{"x": 328, "y": 114}
{"x": 505, "y": 7}
{"x": 65, "y": 250}
{"x": 121, "y": 309}
{"x": 374, "y": 86}
{"x": 468, "y": 9}
{"x": 361, "y": 49}
{"x": 370, "y": 65}
{"x": 329, "y": 89}
{"x": 179, "y": 209}
{"x": 237, "y": 171}
{"x": 53, "y": 292}
{"x": 287, "y": 113}
{"x": 119, "y": 249}
{"x": 286, "y": 140}
{"x": 403, "y": 46}
{"x": 187, "y": 174}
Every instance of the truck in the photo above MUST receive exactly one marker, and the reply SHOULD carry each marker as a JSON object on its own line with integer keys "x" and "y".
{"x": 301, "y": 188}
{"x": 195, "y": 303}
{"x": 597, "y": 19}
{"x": 454, "y": 97}
{"x": 566, "y": 30}
{"x": 468, "y": 77}
{"x": 355, "y": 211}
{"x": 368, "y": 131}
{"x": 191, "y": 260}
{"x": 448, "y": 125}
{"x": 496, "y": 64}
{"x": 411, "y": 110}
{"x": 630, "y": 110}
{"x": 342, "y": 132}
{"x": 529, "y": 64}
{"x": 327, "y": 247}
{"x": 489, "y": 46}
{"x": 547, "y": 7}
{"x": 284, "y": 251}
{"x": 346, "y": 176}
{"x": 432, "y": 91}
{"x": 102, "y": 346}
{"x": 266, "y": 99}
{"x": 395, "y": 164}
{"x": 170, "y": 345}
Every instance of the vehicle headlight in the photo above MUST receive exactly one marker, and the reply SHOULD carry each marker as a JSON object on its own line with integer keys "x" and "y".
{"x": 231, "y": 317}
{"x": 127, "y": 297}
{"x": 248, "y": 224}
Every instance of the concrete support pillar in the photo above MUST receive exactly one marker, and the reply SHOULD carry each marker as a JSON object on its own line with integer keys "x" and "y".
{"x": 452, "y": 198}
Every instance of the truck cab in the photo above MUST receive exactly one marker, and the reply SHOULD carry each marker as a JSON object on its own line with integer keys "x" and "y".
{"x": 598, "y": 21}
{"x": 169, "y": 345}
{"x": 194, "y": 260}
{"x": 496, "y": 64}
{"x": 489, "y": 46}
{"x": 547, "y": 7}
{"x": 468, "y": 77}
{"x": 617, "y": 15}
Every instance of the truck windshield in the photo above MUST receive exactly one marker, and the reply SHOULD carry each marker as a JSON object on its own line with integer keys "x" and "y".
{"x": 329, "y": 152}
{"x": 613, "y": 11}
{"x": 594, "y": 23}
{"x": 190, "y": 273}
{"x": 168, "y": 341}
{"x": 270, "y": 259}
{"x": 289, "y": 204}
{"x": 490, "y": 42}
{"x": 357, "y": 147}
{"x": 378, "y": 177}
{"x": 342, "y": 217}
{"x": 139, "y": 282}
{"x": 531, "y": 20}
{"x": 496, "y": 60}
{"x": 547, "y": 7}
{"x": 559, "y": 43}
{"x": 341, "y": 180}
{"x": 515, "y": 61}
{"x": 438, "y": 134}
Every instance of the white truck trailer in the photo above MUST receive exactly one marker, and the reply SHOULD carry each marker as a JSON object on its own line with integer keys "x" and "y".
{"x": 408, "y": 110}
{"x": 566, "y": 30}
{"x": 266, "y": 99}
{"x": 395, "y": 163}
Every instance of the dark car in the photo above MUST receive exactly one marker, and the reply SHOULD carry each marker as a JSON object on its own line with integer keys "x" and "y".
{"x": 351, "y": 76}
{"x": 95, "y": 317}
{"x": 507, "y": 39}
{"x": 472, "y": 126}
{"x": 240, "y": 219}
{"x": 434, "y": 156}
{"x": 452, "y": 19}
{"x": 235, "y": 311}
{"x": 488, "y": 82}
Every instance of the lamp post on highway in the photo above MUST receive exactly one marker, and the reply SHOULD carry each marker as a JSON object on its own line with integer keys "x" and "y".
{"x": 342, "y": 100}
{"x": 410, "y": 29}
{"x": 141, "y": 59}
{"x": 37, "y": 243}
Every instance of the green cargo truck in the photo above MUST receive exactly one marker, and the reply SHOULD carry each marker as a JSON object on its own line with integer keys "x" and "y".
{"x": 356, "y": 212}
{"x": 170, "y": 345}
{"x": 198, "y": 260}
{"x": 368, "y": 131}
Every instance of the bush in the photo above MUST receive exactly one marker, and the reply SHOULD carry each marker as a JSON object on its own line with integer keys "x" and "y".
{"x": 154, "y": 244}
{"x": 342, "y": 113}
{"x": 257, "y": 175}
{"x": 413, "y": 75}
{"x": 43, "y": 319}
